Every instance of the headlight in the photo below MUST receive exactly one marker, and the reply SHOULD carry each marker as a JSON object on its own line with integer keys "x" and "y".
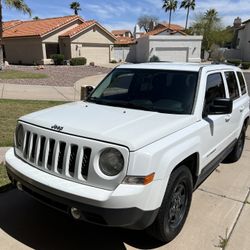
{"x": 111, "y": 162}
{"x": 19, "y": 136}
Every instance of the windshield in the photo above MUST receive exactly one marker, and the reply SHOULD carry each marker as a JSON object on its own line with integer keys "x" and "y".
{"x": 163, "y": 91}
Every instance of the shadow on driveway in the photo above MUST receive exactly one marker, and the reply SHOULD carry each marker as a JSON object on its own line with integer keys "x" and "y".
{"x": 41, "y": 227}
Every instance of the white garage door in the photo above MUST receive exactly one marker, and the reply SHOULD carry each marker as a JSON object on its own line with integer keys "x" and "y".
{"x": 172, "y": 54}
{"x": 96, "y": 54}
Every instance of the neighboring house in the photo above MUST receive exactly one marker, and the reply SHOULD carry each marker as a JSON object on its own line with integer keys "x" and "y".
{"x": 167, "y": 42}
{"x": 122, "y": 50}
{"x": 31, "y": 42}
{"x": 244, "y": 40}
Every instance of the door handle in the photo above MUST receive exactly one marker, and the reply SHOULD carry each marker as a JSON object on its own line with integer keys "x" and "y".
{"x": 242, "y": 108}
{"x": 227, "y": 118}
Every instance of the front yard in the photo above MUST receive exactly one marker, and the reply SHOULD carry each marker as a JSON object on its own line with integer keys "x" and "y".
{"x": 18, "y": 74}
{"x": 50, "y": 75}
{"x": 11, "y": 110}
{"x": 4, "y": 180}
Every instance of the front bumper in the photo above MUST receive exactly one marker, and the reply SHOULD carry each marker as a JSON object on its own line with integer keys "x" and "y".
{"x": 128, "y": 206}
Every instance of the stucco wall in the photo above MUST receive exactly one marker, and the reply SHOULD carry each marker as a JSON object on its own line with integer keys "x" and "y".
{"x": 93, "y": 35}
{"x": 142, "y": 49}
{"x": 53, "y": 36}
{"x": 174, "y": 48}
{"x": 23, "y": 50}
{"x": 65, "y": 47}
{"x": 244, "y": 44}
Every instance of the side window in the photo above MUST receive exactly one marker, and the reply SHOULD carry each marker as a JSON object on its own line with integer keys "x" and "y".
{"x": 232, "y": 85}
{"x": 214, "y": 89}
{"x": 242, "y": 83}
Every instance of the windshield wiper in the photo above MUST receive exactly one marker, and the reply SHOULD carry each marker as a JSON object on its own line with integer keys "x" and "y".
{"x": 136, "y": 106}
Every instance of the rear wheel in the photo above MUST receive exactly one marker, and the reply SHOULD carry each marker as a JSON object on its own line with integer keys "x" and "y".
{"x": 238, "y": 148}
{"x": 175, "y": 206}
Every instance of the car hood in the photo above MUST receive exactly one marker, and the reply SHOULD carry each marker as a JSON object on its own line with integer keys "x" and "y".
{"x": 132, "y": 128}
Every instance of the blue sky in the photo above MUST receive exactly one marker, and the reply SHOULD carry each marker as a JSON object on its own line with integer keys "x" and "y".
{"x": 123, "y": 14}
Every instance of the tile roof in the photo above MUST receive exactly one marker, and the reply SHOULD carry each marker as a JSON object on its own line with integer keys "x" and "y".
{"x": 10, "y": 24}
{"x": 38, "y": 27}
{"x": 125, "y": 41}
{"x": 172, "y": 26}
{"x": 74, "y": 31}
{"x": 160, "y": 29}
{"x": 119, "y": 32}
{"x": 79, "y": 28}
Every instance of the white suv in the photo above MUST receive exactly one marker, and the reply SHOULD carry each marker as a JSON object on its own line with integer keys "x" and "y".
{"x": 132, "y": 153}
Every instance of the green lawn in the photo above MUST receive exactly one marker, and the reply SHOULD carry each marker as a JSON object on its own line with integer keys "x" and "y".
{"x": 4, "y": 180}
{"x": 17, "y": 74}
{"x": 11, "y": 110}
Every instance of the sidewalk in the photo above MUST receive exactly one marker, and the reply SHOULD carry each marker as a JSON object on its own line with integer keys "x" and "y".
{"x": 220, "y": 211}
{"x": 52, "y": 93}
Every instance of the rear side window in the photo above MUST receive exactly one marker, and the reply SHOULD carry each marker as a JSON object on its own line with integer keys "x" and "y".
{"x": 232, "y": 85}
{"x": 214, "y": 88}
{"x": 242, "y": 83}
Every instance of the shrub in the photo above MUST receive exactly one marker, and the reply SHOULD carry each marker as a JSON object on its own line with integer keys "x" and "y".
{"x": 113, "y": 61}
{"x": 235, "y": 62}
{"x": 78, "y": 61}
{"x": 154, "y": 59}
{"x": 58, "y": 59}
{"x": 245, "y": 65}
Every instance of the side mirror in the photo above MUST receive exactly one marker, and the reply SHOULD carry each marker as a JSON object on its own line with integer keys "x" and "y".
{"x": 85, "y": 92}
{"x": 220, "y": 106}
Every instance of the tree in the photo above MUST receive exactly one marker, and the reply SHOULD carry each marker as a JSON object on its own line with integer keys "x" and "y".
{"x": 209, "y": 26}
{"x": 16, "y": 4}
{"x": 169, "y": 5}
{"x": 145, "y": 21}
{"x": 36, "y": 18}
{"x": 187, "y": 5}
{"x": 76, "y": 7}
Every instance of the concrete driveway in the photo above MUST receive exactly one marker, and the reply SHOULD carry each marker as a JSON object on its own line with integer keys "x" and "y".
{"x": 220, "y": 210}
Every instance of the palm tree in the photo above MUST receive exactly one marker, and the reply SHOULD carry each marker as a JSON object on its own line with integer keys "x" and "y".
{"x": 212, "y": 19}
{"x": 76, "y": 7}
{"x": 187, "y": 5}
{"x": 17, "y": 4}
{"x": 169, "y": 5}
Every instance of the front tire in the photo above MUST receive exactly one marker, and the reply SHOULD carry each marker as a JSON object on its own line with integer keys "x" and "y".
{"x": 175, "y": 206}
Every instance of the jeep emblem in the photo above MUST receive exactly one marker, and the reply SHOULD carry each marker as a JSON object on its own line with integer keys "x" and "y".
{"x": 57, "y": 128}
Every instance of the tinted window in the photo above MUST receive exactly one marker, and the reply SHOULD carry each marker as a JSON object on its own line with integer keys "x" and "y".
{"x": 148, "y": 89}
{"x": 232, "y": 85}
{"x": 242, "y": 83}
{"x": 214, "y": 88}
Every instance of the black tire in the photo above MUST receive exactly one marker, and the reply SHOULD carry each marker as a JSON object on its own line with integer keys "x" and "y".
{"x": 238, "y": 148}
{"x": 175, "y": 206}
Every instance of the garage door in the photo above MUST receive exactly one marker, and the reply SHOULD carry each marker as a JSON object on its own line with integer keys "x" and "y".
{"x": 96, "y": 54}
{"x": 172, "y": 54}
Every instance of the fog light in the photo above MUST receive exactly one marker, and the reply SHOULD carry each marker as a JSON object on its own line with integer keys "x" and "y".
{"x": 76, "y": 213}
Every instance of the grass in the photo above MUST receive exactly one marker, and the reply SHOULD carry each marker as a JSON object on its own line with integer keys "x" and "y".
{"x": 11, "y": 110}
{"x": 17, "y": 74}
{"x": 4, "y": 180}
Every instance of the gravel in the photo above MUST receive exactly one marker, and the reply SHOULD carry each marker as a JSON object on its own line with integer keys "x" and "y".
{"x": 57, "y": 75}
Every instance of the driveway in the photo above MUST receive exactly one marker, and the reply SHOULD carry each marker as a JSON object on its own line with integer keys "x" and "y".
{"x": 220, "y": 210}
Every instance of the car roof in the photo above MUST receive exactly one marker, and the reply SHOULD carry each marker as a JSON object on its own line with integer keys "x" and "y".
{"x": 194, "y": 67}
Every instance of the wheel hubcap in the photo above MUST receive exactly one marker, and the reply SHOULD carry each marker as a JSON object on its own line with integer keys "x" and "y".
{"x": 177, "y": 205}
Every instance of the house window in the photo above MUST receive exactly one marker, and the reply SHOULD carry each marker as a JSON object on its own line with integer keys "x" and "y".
{"x": 51, "y": 49}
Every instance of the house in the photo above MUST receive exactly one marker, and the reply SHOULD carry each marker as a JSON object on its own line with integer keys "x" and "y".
{"x": 34, "y": 41}
{"x": 244, "y": 41}
{"x": 167, "y": 42}
{"x": 124, "y": 40}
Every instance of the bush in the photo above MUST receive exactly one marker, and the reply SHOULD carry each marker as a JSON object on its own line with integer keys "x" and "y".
{"x": 113, "y": 61}
{"x": 245, "y": 65}
{"x": 235, "y": 62}
{"x": 154, "y": 59}
{"x": 58, "y": 59}
{"x": 78, "y": 61}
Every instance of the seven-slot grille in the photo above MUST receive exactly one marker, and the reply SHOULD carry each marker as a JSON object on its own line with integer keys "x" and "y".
{"x": 55, "y": 156}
